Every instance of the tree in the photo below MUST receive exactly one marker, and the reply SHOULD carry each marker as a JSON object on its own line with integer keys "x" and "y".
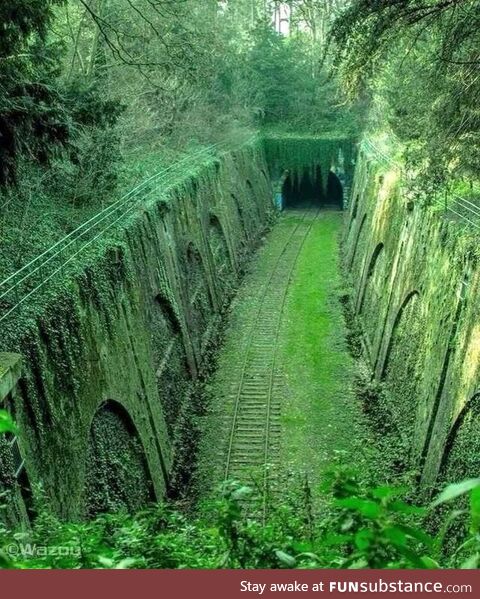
{"x": 31, "y": 115}
{"x": 420, "y": 60}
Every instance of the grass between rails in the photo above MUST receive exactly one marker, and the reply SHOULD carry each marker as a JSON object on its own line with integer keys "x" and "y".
{"x": 358, "y": 525}
{"x": 321, "y": 417}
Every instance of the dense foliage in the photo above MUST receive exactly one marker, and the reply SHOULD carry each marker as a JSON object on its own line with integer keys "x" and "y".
{"x": 419, "y": 61}
{"x": 357, "y": 527}
{"x": 91, "y": 91}
{"x": 38, "y": 111}
{"x": 69, "y": 67}
{"x": 97, "y": 94}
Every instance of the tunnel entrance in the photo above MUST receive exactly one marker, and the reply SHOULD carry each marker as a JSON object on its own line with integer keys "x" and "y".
{"x": 334, "y": 197}
{"x": 308, "y": 190}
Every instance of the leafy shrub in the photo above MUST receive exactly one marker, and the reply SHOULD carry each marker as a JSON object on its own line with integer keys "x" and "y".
{"x": 358, "y": 527}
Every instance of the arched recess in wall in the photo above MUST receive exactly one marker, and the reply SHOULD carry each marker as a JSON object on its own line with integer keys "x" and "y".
{"x": 450, "y": 352}
{"x": 410, "y": 300}
{"x": 371, "y": 293}
{"x": 250, "y": 188}
{"x": 14, "y": 479}
{"x": 358, "y": 239}
{"x": 117, "y": 474}
{"x": 170, "y": 361}
{"x": 461, "y": 456}
{"x": 194, "y": 267}
{"x": 355, "y": 207}
{"x": 353, "y": 219}
{"x": 374, "y": 262}
{"x": 197, "y": 291}
{"x": 403, "y": 363}
{"x": 252, "y": 197}
{"x": 218, "y": 243}
{"x": 242, "y": 218}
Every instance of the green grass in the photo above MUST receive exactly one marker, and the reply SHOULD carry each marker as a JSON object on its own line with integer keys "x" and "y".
{"x": 321, "y": 416}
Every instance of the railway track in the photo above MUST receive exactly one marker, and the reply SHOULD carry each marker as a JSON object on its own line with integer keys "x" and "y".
{"x": 255, "y": 428}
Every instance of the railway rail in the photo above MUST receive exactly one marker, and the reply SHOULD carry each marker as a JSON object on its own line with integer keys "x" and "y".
{"x": 255, "y": 427}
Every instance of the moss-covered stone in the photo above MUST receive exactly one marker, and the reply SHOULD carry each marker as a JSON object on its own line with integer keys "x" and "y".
{"x": 417, "y": 285}
{"x": 129, "y": 323}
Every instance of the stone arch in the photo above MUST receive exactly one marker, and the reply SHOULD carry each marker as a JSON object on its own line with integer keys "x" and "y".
{"x": 25, "y": 488}
{"x": 198, "y": 293}
{"x": 403, "y": 365}
{"x": 217, "y": 242}
{"x": 353, "y": 216}
{"x": 334, "y": 195}
{"x": 355, "y": 207}
{"x": 375, "y": 259}
{"x": 369, "y": 302}
{"x": 14, "y": 479}
{"x": 449, "y": 353}
{"x": 251, "y": 190}
{"x": 240, "y": 212}
{"x": 358, "y": 237}
{"x": 252, "y": 198}
{"x": 168, "y": 314}
{"x": 194, "y": 263}
{"x": 169, "y": 358}
{"x": 250, "y": 186}
{"x": 410, "y": 299}
{"x": 461, "y": 455}
{"x": 117, "y": 474}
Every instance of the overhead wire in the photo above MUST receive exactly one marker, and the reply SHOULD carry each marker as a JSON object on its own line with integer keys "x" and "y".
{"x": 107, "y": 212}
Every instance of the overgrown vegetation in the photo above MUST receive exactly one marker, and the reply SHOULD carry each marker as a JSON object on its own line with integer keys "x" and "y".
{"x": 96, "y": 95}
{"x": 418, "y": 61}
{"x": 358, "y": 527}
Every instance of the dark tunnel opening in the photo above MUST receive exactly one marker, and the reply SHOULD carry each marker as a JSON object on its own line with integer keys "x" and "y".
{"x": 308, "y": 191}
{"x": 334, "y": 191}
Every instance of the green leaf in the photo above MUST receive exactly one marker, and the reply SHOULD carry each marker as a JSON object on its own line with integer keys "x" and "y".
{"x": 366, "y": 507}
{"x": 5, "y": 562}
{"x": 312, "y": 556}
{"x": 106, "y": 562}
{"x": 471, "y": 563}
{"x": 430, "y": 563}
{"x": 347, "y": 524}
{"x": 451, "y": 517}
{"x": 286, "y": 559}
{"x": 6, "y": 423}
{"x": 414, "y": 559}
{"x": 241, "y": 493}
{"x": 363, "y": 539}
{"x": 385, "y": 492}
{"x": 396, "y": 535}
{"x": 405, "y": 508}
{"x": 333, "y": 539}
{"x": 456, "y": 490}
{"x": 475, "y": 510}
{"x": 359, "y": 564}
{"x": 125, "y": 564}
{"x": 416, "y": 533}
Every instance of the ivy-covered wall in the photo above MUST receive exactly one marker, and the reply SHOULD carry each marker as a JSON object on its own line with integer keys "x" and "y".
{"x": 416, "y": 281}
{"x": 314, "y": 155}
{"x": 128, "y": 327}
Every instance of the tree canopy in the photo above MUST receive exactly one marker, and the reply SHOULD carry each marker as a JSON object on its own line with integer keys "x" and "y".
{"x": 419, "y": 60}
